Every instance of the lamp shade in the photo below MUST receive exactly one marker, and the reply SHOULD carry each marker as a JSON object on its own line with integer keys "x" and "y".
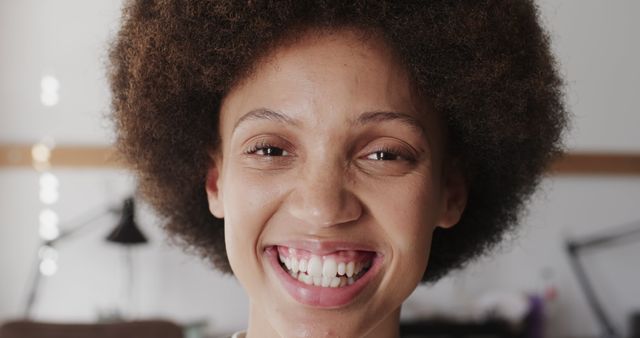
{"x": 127, "y": 231}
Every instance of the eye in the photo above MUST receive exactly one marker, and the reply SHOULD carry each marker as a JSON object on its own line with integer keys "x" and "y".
{"x": 271, "y": 151}
{"x": 267, "y": 150}
{"x": 388, "y": 154}
{"x": 382, "y": 156}
{"x": 388, "y": 159}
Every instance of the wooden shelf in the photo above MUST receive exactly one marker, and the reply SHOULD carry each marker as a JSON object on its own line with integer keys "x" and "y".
{"x": 578, "y": 163}
{"x": 20, "y": 155}
{"x": 582, "y": 163}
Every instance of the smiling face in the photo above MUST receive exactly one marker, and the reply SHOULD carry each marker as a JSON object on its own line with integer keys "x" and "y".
{"x": 330, "y": 180}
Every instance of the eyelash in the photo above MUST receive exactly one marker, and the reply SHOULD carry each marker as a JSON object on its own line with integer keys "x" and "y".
{"x": 399, "y": 154}
{"x": 262, "y": 146}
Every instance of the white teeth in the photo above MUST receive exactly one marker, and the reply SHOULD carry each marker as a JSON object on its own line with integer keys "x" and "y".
{"x": 303, "y": 277}
{"x": 303, "y": 265}
{"x": 325, "y": 273}
{"x": 329, "y": 268}
{"x": 314, "y": 267}
{"x": 342, "y": 268}
{"x": 350, "y": 267}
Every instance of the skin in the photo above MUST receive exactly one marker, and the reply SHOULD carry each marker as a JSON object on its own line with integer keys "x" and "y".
{"x": 318, "y": 176}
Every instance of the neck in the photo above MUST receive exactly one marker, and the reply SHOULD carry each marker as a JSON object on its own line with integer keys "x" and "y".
{"x": 260, "y": 326}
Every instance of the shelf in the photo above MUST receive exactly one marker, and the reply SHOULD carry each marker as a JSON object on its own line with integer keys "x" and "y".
{"x": 80, "y": 156}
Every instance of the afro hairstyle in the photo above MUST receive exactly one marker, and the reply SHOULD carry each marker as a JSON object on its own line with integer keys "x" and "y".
{"x": 484, "y": 65}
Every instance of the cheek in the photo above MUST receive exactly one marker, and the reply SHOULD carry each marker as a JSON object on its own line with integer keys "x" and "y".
{"x": 411, "y": 212}
{"x": 249, "y": 203}
{"x": 249, "y": 195}
{"x": 408, "y": 216}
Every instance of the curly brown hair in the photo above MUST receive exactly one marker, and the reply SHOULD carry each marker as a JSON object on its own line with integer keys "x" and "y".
{"x": 485, "y": 66}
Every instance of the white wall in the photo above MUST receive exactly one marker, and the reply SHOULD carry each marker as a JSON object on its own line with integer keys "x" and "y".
{"x": 68, "y": 39}
{"x": 596, "y": 42}
{"x": 598, "y": 47}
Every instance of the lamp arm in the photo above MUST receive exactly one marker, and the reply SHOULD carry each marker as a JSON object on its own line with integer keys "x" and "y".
{"x": 83, "y": 223}
{"x": 590, "y": 294}
{"x": 621, "y": 235}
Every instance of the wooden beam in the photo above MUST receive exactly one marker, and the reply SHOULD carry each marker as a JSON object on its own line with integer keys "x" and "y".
{"x": 20, "y": 155}
{"x": 583, "y": 163}
{"x": 576, "y": 163}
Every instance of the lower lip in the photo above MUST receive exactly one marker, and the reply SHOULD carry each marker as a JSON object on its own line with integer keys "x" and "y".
{"x": 323, "y": 297}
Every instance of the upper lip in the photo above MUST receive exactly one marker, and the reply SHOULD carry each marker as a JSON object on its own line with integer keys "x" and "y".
{"x": 324, "y": 247}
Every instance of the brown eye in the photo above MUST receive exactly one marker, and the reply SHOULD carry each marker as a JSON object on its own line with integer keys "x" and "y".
{"x": 383, "y": 156}
{"x": 390, "y": 154}
{"x": 271, "y": 151}
{"x": 267, "y": 151}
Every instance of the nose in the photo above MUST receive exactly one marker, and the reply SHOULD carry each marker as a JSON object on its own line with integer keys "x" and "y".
{"x": 322, "y": 196}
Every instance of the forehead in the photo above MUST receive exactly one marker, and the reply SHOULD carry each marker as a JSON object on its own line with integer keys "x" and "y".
{"x": 337, "y": 74}
{"x": 347, "y": 59}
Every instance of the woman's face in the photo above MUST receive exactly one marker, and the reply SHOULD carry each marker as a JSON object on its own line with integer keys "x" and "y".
{"x": 330, "y": 181}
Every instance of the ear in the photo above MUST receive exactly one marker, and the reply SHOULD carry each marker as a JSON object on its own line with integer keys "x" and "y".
{"x": 454, "y": 196}
{"x": 214, "y": 193}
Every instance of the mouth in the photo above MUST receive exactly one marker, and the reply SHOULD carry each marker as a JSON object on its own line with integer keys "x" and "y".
{"x": 336, "y": 270}
{"x": 329, "y": 279}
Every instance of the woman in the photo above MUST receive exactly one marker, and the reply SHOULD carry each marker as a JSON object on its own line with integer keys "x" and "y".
{"x": 332, "y": 155}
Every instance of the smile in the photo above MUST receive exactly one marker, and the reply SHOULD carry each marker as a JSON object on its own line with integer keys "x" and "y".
{"x": 325, "y": 278}
{"x": 336, "y": 270}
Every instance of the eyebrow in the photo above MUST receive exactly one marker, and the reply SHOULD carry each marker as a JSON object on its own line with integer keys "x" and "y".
{"x": 363, "y": 119}
{"x": 381, "y": 116}
{"x": 266, "y": 114}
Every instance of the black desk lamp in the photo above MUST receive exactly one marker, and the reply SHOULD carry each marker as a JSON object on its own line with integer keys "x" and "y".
{"x": 617, "y": 236}
{"x": 126, "y": 233}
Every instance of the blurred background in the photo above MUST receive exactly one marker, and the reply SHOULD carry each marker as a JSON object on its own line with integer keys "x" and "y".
{"x": 62, "y": 193}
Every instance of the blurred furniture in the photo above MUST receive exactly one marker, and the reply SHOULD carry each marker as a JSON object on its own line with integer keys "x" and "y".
{"x": 493, "y": 326}
{"x": 635, "y": 325}
{"x": 450, "y": 329}
{"x": 135, "y": 329}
